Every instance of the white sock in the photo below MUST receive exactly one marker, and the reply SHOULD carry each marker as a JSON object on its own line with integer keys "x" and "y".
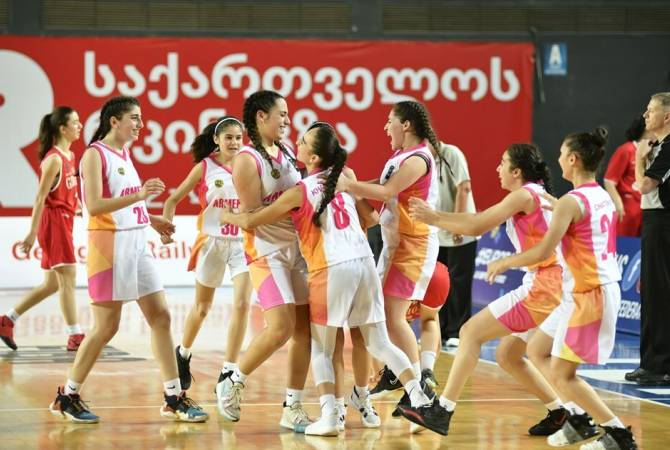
{"x": 616, "y": 423}
{"x": 13, "y": 315}
{"x": 551, "y": 406}
{"x": 428, "y": 360}
{"x": 238, "y": 376}
{"x": 447, "y": 404}
{"x": 72, "y": 387}
{"x": 172, "y": 387}
{"x": 416, "y": 367}
{"x": 574, "y": 408}
{"x": 416, "y": 395}
{"x": 327, "y": 404}
{"x": 73, "y": 329}
{"x": 228, "y": 366}
{"x": 361, "y": 391}
{"x": 293, "y": 396}
{"x": 185, "y": 352}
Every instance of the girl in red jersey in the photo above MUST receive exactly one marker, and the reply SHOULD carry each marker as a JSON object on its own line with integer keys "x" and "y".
{"x": 216, "y": 246}
{"x": 52, "y": 221}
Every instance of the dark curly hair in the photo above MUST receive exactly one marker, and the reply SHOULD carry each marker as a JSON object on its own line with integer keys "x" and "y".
{"x": 589, "y": 146}
{"x": 528, "y": 159}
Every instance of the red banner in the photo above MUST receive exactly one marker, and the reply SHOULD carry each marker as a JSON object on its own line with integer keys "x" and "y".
{"x": 479, "y": 96}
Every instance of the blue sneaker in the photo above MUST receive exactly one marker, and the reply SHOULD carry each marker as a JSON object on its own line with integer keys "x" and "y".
{"x": 183, "y": 409}
{"x": 71, "y": 407}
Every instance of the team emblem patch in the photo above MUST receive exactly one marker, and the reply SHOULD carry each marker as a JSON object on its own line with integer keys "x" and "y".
{"x": 218, "y": 183}
{"x": 121, "y": 171}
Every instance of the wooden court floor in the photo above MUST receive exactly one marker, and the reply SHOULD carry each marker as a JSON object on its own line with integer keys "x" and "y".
{"x": 125, "y": 390}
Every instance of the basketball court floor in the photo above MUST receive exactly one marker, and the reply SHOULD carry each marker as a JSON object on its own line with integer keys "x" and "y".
{"x": 126, "y": 391}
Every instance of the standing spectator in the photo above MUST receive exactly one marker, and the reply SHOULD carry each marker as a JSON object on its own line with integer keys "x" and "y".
{"x": 457, "y": 252}
{"x": 652, "y": 169}
{"x": 619, "y": 179}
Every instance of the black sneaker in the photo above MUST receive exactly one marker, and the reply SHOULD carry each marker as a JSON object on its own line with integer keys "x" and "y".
{"x": 635, "y": 374}
{"x": 405, "y": 401}
{"x": 577, "y": 427}
{"x": 387, "y": 383}
{"x": 71, "y": 407}
{"x": 184, "y": 367}
{"x": 432, "y": 416}
{"x": 183, "y": 409}
{"x": 615, "y": 439}
{"x": 428, "y": 377}
{"x": 550, "y": 424}
{"x": 654, "y": 379}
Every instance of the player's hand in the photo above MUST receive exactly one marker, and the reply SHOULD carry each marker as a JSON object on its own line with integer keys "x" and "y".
{"x": 27, "y": 243}
{"x": 163, "y": 226}
{"x": 151, "y": 187}
{"x": 422, "y": 211}
{"x": 495, "y": 268}
{"x": 549, "y": 198}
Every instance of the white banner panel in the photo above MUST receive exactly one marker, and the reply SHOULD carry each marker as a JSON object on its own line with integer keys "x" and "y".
{"x": 23, "y": 271}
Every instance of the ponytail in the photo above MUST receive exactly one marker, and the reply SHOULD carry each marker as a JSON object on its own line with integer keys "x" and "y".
{"x": 50, "y": 128}
{"x": 114, "y": 107}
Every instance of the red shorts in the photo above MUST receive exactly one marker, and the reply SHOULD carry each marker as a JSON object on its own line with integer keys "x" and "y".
{"x": 436, "y": 293}
{"x": 55, "y": 238}
{"x": 631, "y": 225}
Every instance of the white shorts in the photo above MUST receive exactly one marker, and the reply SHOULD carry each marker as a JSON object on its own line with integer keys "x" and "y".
{"x": 583, "y": 326}
{"x": 347, "y": 293}
{"x": 120, "y": 266}
{"x": 280, "y": 278}
{"x": 215, "y": 254}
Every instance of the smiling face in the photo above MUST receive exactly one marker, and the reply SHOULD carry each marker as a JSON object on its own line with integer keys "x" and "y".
{"x": 274, "y": 124}
{"x": 128, "y": 128}
{"x": 305, "y": 148}
{"x": 72, "y": 129}
{"x": 395, "y": 129}
{"x": 229, "y": 139}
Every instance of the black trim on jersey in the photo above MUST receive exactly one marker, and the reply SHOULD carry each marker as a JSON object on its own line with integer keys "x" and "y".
{"x": 425, "y": 159}
{"x": 660, "y": 171}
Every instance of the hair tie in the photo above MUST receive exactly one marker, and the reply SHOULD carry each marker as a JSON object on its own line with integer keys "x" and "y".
{"x": 227, "y": 119}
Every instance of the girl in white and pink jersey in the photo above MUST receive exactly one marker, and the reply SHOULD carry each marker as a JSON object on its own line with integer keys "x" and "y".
{"x": 343, "y": 284}
{"x": 216, "y": 246}
{"x": 262, "y": 171}
{"x": 523, "y": 173}
{"x": 582, "y": 328}
{"x": 410, "y": 249}
{"x": 119, "y": 264}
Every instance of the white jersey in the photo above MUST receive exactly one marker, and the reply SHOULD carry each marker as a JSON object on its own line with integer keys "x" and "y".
{"x": 266, "y": 239}
{"x": 340, "y": 237}
{"x": 395, "y": 217}
{"x": 119, "y": 178}
{"x": 215, "y": 191}
{"x": 589, "y": 245}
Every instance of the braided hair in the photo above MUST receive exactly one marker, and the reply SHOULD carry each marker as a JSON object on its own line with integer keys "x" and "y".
{"x": 528, "y": 159}
{"x": 327, "y": 147}
{"x": 589, "y": 146}
{"x": 203, "y": 144}
{"x": 263, "y": 101}
{"x": 50, "y": 128}
{"x": 114, "y": 107}
{"x": 418, "y": 116}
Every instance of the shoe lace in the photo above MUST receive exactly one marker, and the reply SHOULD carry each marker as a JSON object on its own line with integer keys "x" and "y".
{"x": 78, "y": 404}
{"x": 188, "y": 403}
{"x": 300, "y": 415}
{"x": 235, "y": 394}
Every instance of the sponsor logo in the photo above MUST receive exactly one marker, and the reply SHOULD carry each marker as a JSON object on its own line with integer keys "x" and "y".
{"x": 218, "y": 183}
{"x": 121, "y": 171}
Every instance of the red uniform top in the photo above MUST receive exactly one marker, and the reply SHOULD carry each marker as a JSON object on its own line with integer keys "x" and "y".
{"x": 621, "y": 171}
{"x": 64, "y": 192}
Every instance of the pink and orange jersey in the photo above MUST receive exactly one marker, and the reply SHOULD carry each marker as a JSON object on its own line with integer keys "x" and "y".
{"x": 215, "y": 190}
{"x": 589, "y": 245}
{"x": 64, "y": 192}
{"x": 340, "y": 237}
{"x": 395, "y": 212}
{"x": 527, "y": 230}
{"x": 119, "y": 178}
{"x": 267, "y": 239}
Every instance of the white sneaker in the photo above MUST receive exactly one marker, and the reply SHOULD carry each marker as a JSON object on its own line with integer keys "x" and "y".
{"x": 452, "y": 342}
{"x": 295, "y": 418}
{"x": 558, "y": 439}
{"x": 229, "y": 397}
{"x": 341, "y": 416}
{"x": 369, "y": 416}
{"x": 325, "y": 426}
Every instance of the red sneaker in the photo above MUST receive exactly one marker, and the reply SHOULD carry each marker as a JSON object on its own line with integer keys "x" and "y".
{"x": 74, "y": 341}
{"x": 7, "y": 332}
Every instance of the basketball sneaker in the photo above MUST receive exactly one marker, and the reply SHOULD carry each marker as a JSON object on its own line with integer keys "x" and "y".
{"x": 184, "y": 367}
{"x": 388, "y": 383}
{"x": 326, "y": 425}
{"x": 182, "y": 409}
{"x": 71, "y": 407}
{"x": 7, "y": 332}
{"x": 577, "y": 427}
{"x": 341, "y": 416}
{"x": 295, "y": 418}
{"x": 551, "y": 423}
{"x": 369, "y": 416}
{"x": 613, "y": 439}
{"x": 432, "y": 416}
{"x": 228, "y": 397}
{"x": 74, "y": 341}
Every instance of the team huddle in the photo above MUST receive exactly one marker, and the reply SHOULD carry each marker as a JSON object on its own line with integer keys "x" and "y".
{"x": 290, "y": 224}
